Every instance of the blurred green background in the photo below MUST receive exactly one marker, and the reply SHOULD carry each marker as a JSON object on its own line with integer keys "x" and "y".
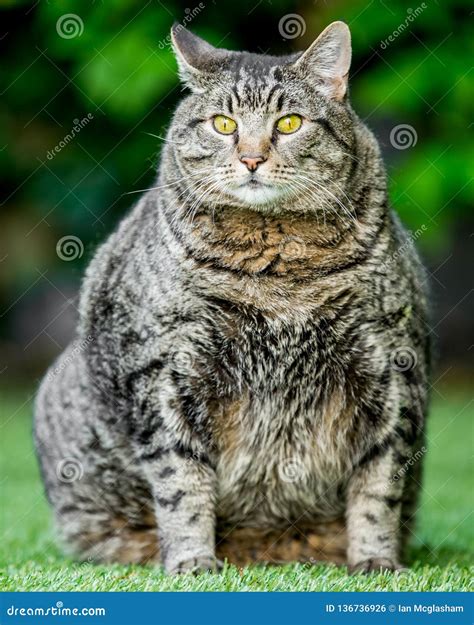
{"x": 109, "y": 65}
{"x": 84, "y": 85}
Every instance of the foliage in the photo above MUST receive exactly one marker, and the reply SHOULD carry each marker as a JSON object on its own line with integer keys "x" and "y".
{"x": 120, "y": 68}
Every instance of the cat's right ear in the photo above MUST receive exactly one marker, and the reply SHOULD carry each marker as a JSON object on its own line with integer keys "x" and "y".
{"x": 198, "y": 61}
{"x": 326, "y": 62}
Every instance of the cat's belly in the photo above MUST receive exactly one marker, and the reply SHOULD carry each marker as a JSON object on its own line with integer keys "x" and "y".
{"x": 277, "y": 465}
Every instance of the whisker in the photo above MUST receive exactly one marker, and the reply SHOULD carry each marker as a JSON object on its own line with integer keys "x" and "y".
{"x": 310, "y": 194}
{"x": 349, "y": 214}
{"x": 191, "y": 213}
{"x": 170, "y": 184}
{"x": 189, "y": 193}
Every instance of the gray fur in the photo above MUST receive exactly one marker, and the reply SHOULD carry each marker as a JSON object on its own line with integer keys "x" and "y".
{"x": 237, "y": 362}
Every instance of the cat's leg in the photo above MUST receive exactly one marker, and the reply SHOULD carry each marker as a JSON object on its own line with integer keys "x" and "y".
{"x": 173, "y": 446}
{"x": 373, "y": 515}
{"x": 376, "y": 495}
{"x": 103, "y": 508}
{"x": 94, "y": 532}
{"x": 411, "y": 493}
{"x": 183, "y": 486}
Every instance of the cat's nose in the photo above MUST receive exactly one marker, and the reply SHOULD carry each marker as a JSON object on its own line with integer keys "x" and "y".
{"x": 252, "y": 161}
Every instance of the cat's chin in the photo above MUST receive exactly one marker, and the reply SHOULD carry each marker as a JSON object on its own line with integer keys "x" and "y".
{"x": 257, "y": 196}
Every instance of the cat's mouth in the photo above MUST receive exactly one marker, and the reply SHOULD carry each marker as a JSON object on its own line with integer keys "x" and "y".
{"x": 253, "y": 183}
{"x": 257, "y": 194}
{"x": 255, "y": 191}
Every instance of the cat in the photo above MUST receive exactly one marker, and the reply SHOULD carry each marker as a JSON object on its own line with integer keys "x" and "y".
{"x": 250, "y": 374}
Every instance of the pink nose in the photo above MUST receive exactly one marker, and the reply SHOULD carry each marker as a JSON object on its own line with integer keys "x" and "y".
{"x": 252, "y": 161}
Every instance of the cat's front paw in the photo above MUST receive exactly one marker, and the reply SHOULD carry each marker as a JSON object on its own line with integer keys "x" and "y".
{"x": 196, "y": 565}
{"x": 375, "y": 565}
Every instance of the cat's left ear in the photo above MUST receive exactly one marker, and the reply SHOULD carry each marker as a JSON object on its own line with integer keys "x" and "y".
{"x": 198, "y": 61}
{"x": 327, "y": 61}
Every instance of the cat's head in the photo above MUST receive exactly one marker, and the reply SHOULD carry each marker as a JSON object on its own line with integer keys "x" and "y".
{"x": 262, "y": 131}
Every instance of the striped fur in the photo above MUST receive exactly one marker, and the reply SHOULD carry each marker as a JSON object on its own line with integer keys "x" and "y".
{"x": 235, "y": 386}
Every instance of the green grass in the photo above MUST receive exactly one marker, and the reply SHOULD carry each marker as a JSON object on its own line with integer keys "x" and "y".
{"x": 441, "y": 559}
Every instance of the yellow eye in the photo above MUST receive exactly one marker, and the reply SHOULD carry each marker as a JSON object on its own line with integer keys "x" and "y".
{"x": 288, "y": 124}
{"x": 224, "y": 125}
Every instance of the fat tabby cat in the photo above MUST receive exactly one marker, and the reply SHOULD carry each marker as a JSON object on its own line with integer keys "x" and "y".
{"x": 249, "y": 377}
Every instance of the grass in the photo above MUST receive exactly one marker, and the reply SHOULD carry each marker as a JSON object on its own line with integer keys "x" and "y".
{"x": 441, "y": 559}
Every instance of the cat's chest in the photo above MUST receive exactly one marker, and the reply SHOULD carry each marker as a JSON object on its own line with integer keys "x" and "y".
{"x": 279, "y": 460}
{"x": 284, "y": 422}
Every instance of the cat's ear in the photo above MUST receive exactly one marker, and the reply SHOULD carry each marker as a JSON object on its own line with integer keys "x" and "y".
{"x": 198, "y": 61}
{"x": 327, "y": 61}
